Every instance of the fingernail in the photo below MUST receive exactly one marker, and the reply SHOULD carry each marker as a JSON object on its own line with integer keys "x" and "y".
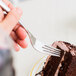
{"x": 19, "y": 10}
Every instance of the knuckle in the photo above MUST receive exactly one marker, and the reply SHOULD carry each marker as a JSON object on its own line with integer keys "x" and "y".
{"x": 15, "y": 14}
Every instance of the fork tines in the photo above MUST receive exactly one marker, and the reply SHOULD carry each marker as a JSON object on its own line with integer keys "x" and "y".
{"x": 53, "y": 51}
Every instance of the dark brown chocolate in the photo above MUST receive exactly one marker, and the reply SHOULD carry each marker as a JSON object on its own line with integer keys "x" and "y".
{"x": 68, "y": 65}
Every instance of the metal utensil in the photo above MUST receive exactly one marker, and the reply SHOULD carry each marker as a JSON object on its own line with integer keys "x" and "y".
{"x": 37, "y": 45}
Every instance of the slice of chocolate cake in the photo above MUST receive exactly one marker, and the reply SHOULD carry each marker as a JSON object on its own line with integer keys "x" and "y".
{"x": 65, "y": 65}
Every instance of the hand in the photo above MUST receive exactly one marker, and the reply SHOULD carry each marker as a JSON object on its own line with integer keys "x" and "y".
{"x": 10, "y": 24}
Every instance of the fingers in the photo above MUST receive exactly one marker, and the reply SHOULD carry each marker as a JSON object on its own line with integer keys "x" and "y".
{"x": 22, "y": 43}
{"x": 9, "y": 4}
{"x": 16, "y": 27}
{"x": 17, "y": 48}
{"x": 1, "y": 14}
{"x": 21, "y": 33}
{"x": 12, "y": 19}
{"x": 14, "y": 36}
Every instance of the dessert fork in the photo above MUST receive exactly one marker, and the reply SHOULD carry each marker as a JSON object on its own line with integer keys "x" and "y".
{"x": 36, "y": 44}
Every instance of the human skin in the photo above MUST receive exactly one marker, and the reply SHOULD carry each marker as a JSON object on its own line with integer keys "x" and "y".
{"x": 10, "y": 24}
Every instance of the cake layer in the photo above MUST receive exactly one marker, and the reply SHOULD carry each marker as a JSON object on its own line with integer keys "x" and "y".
{"x": 63, "y": 66}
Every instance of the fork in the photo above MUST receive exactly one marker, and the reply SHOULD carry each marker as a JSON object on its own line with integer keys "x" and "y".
{"x": 36, "y": 44}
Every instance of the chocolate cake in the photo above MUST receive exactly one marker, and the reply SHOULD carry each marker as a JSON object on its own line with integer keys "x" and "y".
{"x": 65, "y": 65}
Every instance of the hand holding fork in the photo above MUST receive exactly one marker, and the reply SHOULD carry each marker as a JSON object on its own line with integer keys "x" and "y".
{"x": 37, "y": 44}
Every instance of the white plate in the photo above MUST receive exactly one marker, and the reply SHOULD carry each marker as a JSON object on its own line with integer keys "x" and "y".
{"x": 38, "y": 66}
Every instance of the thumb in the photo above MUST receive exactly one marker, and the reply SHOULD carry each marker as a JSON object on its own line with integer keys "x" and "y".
{"x": 12, "y": 19}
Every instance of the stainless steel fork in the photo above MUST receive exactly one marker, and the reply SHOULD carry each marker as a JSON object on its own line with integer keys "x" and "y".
{"x": 37, "y": 44}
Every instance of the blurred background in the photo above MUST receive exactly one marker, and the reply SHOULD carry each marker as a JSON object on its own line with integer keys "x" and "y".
{"x": 49, "y": 21}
